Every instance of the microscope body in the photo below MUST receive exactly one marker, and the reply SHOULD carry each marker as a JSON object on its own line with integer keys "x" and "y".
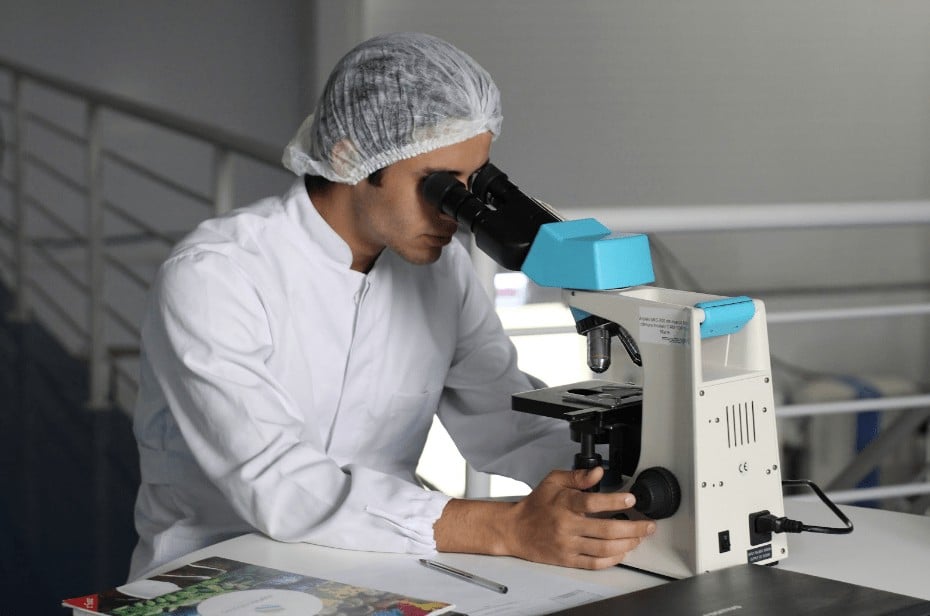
{"x": 708, "y": 417}
{"x": 700, "y": 449}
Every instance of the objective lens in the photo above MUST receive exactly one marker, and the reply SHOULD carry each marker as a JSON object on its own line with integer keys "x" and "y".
{"x": 598, "y": 349}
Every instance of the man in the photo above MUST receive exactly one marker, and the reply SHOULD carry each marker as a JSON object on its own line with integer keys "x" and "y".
{"x": 295, "y": 351}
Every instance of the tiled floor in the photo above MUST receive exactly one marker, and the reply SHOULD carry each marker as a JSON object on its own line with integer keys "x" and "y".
{"x": 68, "y": 477}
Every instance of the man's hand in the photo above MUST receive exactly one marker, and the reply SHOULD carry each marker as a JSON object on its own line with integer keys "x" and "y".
{"x": 553, "y": 524}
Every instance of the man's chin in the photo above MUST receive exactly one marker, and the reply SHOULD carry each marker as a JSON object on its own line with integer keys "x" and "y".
{"x": 420, "y": 256}
{"x": 438, "y": 241}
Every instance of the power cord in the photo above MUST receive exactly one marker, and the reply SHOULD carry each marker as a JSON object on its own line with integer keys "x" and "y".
{"x": 768, "y": 523}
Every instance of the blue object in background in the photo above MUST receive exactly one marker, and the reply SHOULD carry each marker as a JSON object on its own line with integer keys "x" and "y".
{"x": 868, "y": 425}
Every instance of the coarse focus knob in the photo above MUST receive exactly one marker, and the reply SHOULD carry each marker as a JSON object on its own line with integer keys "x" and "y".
{"x": 657, "y": 493}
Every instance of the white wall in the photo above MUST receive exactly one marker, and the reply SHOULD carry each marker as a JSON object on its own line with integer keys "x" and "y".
{"x": 232, "y": 64}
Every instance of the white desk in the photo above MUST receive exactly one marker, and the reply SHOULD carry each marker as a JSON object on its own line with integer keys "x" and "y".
{"x": 887, "y": 550}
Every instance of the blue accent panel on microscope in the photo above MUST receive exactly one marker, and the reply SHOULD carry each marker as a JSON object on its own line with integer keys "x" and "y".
{"x": 725, "y": 316}
{"x": 584, "y": 254}
{"x": 578, "y": 314}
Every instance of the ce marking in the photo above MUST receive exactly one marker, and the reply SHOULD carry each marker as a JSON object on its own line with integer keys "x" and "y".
{"x": 744, "y": 467}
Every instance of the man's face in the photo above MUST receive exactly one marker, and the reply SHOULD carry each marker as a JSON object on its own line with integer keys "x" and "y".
{"x": 397, "y": 216}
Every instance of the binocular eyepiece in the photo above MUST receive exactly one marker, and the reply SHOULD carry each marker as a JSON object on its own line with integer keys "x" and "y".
{"x": 503, "y": 220}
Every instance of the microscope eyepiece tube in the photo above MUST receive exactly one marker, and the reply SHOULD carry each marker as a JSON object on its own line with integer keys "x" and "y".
{"x": 452, "y": 198}
{"x": 492, "y": 186}
{"x": 505, "y": 238}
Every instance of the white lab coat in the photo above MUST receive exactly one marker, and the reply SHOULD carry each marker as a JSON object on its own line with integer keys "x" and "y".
{"x": 283, "y": 392}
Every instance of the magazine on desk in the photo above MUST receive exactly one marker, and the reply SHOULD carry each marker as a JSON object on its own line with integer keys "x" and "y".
{"x": 220, "y": 586}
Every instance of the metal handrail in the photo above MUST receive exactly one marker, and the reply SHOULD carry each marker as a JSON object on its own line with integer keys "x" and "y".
{"x": 228, "y": 140}
{"x": 54, "y": 127}
{"x": 224, "y": 143}
{"x": 72, "y": 233}
{"x": 778, "y": 317}
{"x": 743, "y": 217}
{"x": 59, "y": 310}
{"x": 137, "y": 222}
{"x": 888, "y": 403}
{"x": 158, "y": 178}
{"x": 831, "y": 314}
{"x": 49, "y": 169}
{"x": 866, "y": 494}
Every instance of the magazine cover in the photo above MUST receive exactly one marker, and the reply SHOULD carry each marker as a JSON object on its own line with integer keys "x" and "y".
{"x": 215, "y": 586}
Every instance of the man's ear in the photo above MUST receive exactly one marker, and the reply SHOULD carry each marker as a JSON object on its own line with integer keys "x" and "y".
{"x": 344, "y": 157}
{"x": 376, "y": 177}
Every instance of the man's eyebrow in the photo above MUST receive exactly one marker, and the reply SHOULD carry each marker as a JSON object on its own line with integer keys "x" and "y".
{"x": 430, "y": 170}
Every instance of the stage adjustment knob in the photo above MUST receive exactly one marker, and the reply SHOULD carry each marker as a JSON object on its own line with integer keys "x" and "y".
{"x": 657, "y": 493}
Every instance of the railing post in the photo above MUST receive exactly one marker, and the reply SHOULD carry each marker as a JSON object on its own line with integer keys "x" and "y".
{"x": 477, "y": 484}
{"x": 20, "y": 310}
{"x": 97, "y": 347}
{"x": 223, "y": 176}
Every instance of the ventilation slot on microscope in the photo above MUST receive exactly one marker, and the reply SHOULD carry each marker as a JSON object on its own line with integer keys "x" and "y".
{"x": 741, "y": 424}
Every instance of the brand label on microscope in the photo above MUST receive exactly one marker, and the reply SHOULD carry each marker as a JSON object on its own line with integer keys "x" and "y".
{"x": 663, "y": 326}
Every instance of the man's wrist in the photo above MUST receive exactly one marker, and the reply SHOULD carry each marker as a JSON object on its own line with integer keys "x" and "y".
{"x": 475, "y": 527}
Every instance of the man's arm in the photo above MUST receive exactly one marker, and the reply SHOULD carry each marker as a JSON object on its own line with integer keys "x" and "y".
{"x": 553, "y": 524}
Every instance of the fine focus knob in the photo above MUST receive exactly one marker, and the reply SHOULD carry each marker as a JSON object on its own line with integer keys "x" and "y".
{"x": 657, "y": 493}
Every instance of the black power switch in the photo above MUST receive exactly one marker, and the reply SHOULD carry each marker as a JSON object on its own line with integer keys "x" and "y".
{"x": 723, "y": 540}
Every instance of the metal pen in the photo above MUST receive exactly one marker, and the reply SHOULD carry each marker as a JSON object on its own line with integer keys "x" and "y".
{"x": 464, "y": 575}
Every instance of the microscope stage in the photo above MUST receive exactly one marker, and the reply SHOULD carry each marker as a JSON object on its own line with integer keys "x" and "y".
{"x": 580, "y": 401}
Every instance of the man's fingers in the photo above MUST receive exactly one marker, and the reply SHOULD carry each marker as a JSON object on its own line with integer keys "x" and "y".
{"x": 601, "y": 529}
{"x": 601, "y": 502}
{"x": 584, "y": 561}
{"x": 584, "y": 478}
{"x": 599, "y": 554}
{"x": 591, "y": 502}
{"x": 600, "y": 548}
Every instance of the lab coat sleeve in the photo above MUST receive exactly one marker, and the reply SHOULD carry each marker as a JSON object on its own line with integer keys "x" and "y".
{"x": 476, "y": 409}
{"x": 208, "y": 338}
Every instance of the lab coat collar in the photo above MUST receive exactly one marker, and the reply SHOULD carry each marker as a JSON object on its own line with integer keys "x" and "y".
{"x": 299, "y": 208}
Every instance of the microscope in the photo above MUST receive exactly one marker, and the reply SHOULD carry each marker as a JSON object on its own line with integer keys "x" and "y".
{"x": 696, "y": 442}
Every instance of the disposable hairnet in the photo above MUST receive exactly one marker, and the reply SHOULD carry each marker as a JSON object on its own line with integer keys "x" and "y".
{"x": 393, "y": 97}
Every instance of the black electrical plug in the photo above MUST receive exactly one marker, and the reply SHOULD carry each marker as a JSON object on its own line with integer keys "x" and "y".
{"x": 769, "y": 523}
